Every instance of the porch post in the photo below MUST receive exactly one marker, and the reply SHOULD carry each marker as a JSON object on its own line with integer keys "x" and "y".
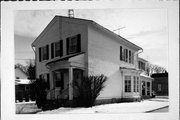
{"x": 70, "y": 83}
{"x": 132, "y": 85}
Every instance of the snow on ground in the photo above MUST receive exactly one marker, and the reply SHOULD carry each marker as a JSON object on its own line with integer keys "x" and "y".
{"x": 130, "y": 107}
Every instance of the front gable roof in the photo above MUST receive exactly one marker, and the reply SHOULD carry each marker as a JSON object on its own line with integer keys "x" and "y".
{"x": 87, "y": 22}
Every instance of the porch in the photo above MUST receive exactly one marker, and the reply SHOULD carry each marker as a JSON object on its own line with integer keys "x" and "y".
{"x": 64, "y": 73}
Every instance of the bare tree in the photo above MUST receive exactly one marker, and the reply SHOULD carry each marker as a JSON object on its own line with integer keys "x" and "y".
{"x": 151, "y": 68}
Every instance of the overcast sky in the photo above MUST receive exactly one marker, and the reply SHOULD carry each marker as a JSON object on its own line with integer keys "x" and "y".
{"x": 147, "y": 28}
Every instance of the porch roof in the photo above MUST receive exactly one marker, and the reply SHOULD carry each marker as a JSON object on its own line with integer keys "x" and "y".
{"x": 129, "y": 69}
{"x": 64, "y": 58}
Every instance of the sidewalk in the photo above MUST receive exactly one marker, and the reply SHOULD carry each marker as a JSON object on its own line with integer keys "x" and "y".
{"x": 130, "y": 107}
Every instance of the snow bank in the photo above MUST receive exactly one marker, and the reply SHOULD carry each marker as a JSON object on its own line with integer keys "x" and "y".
{"x": 131, "y": 107}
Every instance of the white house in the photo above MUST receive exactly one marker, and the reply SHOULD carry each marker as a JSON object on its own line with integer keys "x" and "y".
{"x": 70, "y": 48}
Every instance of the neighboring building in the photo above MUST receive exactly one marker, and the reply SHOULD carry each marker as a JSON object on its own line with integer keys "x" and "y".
{"x": 22, "y": 88}
{"x": 160, "y": 84}
{"x": 19, "y": 74}
{"x": 70, "y": 48}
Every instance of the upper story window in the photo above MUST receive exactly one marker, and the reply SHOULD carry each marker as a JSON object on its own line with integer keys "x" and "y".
{"x": 141, "y": 65}
{"x": 126, "y": 55}
{"x": 44, "y": 53}
{"x": 57, "y": 49}
{"x": 73, "y": 44}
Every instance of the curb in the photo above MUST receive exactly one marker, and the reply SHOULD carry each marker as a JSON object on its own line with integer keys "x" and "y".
{"x": 156, "y": 109}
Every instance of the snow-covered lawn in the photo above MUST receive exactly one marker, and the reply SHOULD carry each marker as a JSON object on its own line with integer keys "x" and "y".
{"x": 131, "y": 107}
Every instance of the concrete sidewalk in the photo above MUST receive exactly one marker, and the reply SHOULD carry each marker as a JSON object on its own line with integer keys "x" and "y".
{"x": 130, "y": 107}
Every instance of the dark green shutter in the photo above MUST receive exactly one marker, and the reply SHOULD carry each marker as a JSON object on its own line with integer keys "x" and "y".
{"x": 78, "y": 42}
{"x": 67, "y": 46}
{"x": 39, "y": 54}
{"x": 52, "y": 50}
{"x": 61, "y": 48}
{"x": 47, "y": 52}
{"x": 62, "y": 80}
{"x": 120, "y": 52}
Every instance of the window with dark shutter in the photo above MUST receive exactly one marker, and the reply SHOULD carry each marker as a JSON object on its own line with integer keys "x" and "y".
{"x": 121, "y": 53}
{"x": 129, "y": 56}
{"x": 61, "y": 47}
{"x": 126, "y": 58}
{"x": 67, "y": 46}
{"x": 62, "y": 80}
{"x": 78, "y": 43}
{"x": 132, "y": 58}
{"x": 73, "y": 44}
{"x": 47, "y": 52}
{"x": 39, "y": 54}
{"x": 52, "y": 50}
{"x": 57, "y": 49}
{"x": 124, "y": 51}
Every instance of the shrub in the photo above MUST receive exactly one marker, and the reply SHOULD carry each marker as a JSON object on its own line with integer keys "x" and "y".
{"x": 89, "y": 90}
{"x": 40, "y": 87}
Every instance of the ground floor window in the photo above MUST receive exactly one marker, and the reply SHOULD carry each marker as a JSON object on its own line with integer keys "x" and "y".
{"x": 45, "y": 78}
{"x": 138, "y": 84}
{"x": 148, "y": 88}
{"x": 159, "y": 87}
{"x": 59, "y": 79}
{"x": 143, "y": 88}
{"x": 127, "y": 83}
{"x": 135, "y": 84}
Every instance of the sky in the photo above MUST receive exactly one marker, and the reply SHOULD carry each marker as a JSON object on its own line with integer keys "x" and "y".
{"x": 147, "y": 28}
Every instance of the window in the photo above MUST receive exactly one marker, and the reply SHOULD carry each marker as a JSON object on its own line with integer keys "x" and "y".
{"x": 127, "y": 83}
{"x": 132, "y": 57}
{"x": 44, "y": 53}
{"x": 159, "y": 87}
{"x": 121, "y": 51}
{"x": 59, "y": 79}
{"x": 57, "y": 49}
{"x": 138, "y": 84}
{"x": 126, "y": 55}
{"x": 73, "y": 44}
{"x": 45, "y": 79}
{"x": 148, "y": 88}
{"x": 134, "y": 83}
{"x": 129, "y": 56}
{"x": 141, "y": 65}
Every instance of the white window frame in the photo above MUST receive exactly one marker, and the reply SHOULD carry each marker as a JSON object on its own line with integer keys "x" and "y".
{"x": 73, "y": 44}
{"x": 43, "y": 53}
{"x": 127, "y": 83}
{"x": 55, "y": 45}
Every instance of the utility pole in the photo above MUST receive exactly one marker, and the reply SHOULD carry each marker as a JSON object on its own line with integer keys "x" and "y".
{"x": 71, "y": 13}
{"x": 119, "y": 30}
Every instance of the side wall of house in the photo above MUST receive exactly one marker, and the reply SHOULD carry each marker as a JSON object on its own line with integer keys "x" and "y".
{"x": 104, "y": 58}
